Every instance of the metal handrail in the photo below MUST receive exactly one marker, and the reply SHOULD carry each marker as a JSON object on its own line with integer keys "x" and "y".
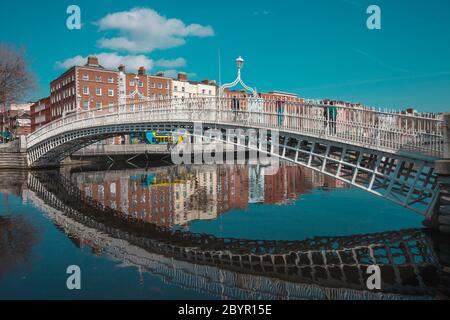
{"x": 383, "y": 130}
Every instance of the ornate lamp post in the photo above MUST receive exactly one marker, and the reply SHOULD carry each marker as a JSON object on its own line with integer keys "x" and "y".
{"x": 240, "y": 64}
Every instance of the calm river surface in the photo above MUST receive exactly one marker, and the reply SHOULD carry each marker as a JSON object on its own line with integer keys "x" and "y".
{"x": 207, "y": 232}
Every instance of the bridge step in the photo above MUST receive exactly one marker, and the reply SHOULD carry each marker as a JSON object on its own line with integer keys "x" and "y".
{"x": 13, "y": 160}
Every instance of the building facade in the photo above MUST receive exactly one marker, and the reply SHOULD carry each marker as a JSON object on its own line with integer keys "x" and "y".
{"x": 93, "y": 88}
{"x": 40, "y": 113}
{"x": 15, "y": 119}
{"x": 182, "y": 88}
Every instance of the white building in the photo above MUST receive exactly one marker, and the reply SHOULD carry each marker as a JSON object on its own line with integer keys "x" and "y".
{"x": 182, "y": 88}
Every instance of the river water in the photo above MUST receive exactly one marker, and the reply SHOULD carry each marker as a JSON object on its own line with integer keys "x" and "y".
{"x": 208, "y": 232}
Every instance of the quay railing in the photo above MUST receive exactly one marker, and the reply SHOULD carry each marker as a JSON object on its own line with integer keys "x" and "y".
{"x": 365, "y": 127}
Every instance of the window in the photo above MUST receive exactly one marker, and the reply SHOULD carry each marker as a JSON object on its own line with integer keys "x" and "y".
{"x": 98, "y": 105}
{"x": 210, "y": 92}
{"x": 160, "y": 96}
{"x": 85, "y": 90}
{"x": 183, "y": 89}
{"x": 110, "y": 80}
{"x": 110, "y": 92}
{"x": 141, "y": 84}
{"x": 160, "y": 86}
{"x": 98, "y": 91}
{"x": 167, "y": 86}
{"x": 203, "y": 91}
{"x": 98, "y": 78}
{"x": 111, "y": 107}
{"x": 85, "y": 77}
{"x": 140, "y": 107}
{"x": 85, "y": 105}
{"x": 153, "y": 85}
{"x": 131, "y": 83}
{"x": 131, "y": 107}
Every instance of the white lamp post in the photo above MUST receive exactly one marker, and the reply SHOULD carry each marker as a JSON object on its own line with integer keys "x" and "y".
{"x": 239, "y": 64}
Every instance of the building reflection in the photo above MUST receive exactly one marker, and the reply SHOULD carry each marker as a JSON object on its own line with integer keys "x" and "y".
{"x": 174, "y": 196}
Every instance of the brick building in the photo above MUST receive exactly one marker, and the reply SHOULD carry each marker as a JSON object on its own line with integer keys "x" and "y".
{"x": 281, "y": 96}
{"x": 40, "y": 113}
{"x": 93, "y": 88}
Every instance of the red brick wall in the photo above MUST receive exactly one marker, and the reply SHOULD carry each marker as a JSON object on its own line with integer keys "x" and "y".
{"x": 97, "y": 79}
{"x": 45, "y": 112}
{"x": 63, "y": 94}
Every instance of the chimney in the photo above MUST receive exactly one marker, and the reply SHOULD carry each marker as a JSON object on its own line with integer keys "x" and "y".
{"x": 92, "y": 61}
{"x": 141, "y": 71}
{"x": 122, "y": 68}
{"x": 182, "y": 76}
{"x": 160, "y": 74}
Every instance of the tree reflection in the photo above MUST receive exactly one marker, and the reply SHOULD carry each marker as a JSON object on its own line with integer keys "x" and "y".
{"x": 17, "y": 238}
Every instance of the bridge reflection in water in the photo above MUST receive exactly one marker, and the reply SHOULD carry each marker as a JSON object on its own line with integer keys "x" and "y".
{"x": 132, "y": 221}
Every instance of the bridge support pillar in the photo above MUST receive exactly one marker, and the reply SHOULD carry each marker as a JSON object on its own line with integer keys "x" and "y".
{"x": 440, "y": 217}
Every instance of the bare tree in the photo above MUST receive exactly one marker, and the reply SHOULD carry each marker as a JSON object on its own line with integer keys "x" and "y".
{"x": 15, "y": 77}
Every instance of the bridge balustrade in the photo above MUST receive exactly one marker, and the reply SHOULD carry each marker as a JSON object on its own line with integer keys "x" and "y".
{"x": 383, "y": 130}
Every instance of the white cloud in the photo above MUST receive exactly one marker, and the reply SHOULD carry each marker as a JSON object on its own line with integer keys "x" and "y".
{"x": 110, "y": 61}
{"x": 176, "y": 63}
{"x": 145, "y": 30}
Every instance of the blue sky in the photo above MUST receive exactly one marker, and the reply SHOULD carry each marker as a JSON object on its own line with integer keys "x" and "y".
{"x": 318, "y": 49}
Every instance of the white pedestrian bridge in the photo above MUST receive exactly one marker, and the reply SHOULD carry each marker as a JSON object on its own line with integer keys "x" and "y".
{"x": 390, "y": 154}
